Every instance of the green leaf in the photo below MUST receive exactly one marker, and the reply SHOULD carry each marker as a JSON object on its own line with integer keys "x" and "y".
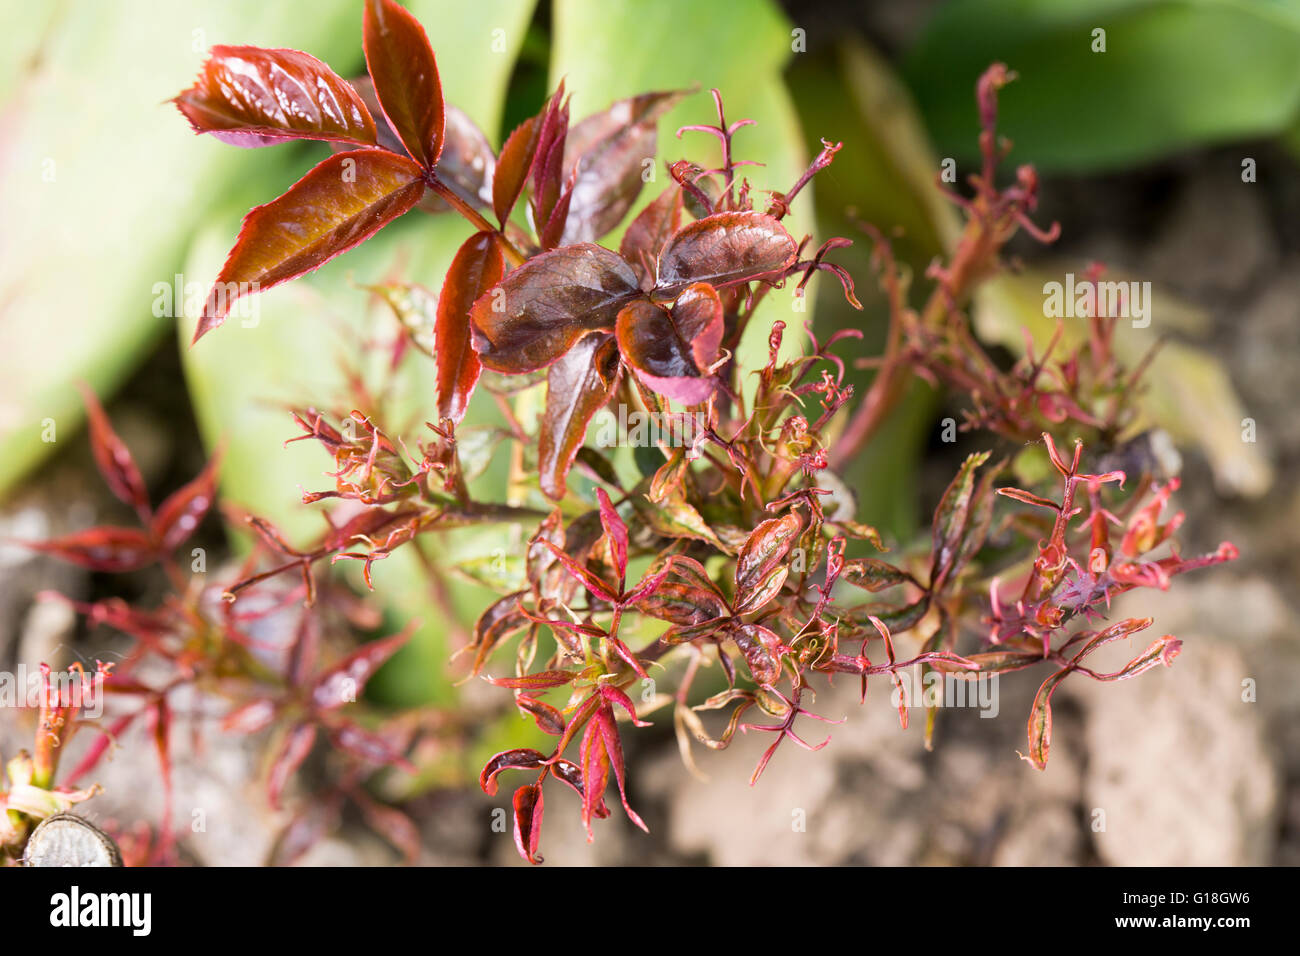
{"x": 1174, "y": 74}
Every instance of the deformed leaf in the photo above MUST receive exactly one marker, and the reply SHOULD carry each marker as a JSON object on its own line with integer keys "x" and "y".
{"x": 646, "y": 235}
{"x": 950, "y": 519}
{"x": 528, "y": 806}
{"x": 523, "y": 758}
{"x": 764, "y": 550}
{"x": 872, "y": 574}
{"x": 109, "y": 549}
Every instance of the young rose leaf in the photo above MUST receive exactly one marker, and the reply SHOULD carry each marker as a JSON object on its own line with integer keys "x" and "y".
{"x": 368, "y": 747}
{"x": 608, "y": 152}
{"x": 308, "y": 826}
{"x": 950, "y": 520}
{"x": 1161, "y": 652}
{"x": 249, "y": 718}
{"x": 872, "y": 574}
{"x": 649, "y": 231}
{"x": 113, "y": 458}
{"x": 479, "y": 265}
{"x": 249, "y": 96}
{"x": 550, "y": 198}
{"x": 764, "y": 550}
{"x": 341, "y": 202}
{"x": 110, "y": 549}
{"x": 523, "y": 758}
{"x": 576, "y": 388}
{"x": 725, "y": 248}
{"x": 615, "y": 535}
{"x": 344, "y": 682}
{"x": 294, "y": 750}
{"x": 671, "y": 350}
{"x": 528, "y": 804}
{"x": 185, "y": 508}
{"x": 405, "y": 74}
{"x": 546, "y": 305}
{"x": 512, "y": 167}
{"x": 616, "y": 698}
{"x": 758, "y": 594}
{"x": 588, "y": 580}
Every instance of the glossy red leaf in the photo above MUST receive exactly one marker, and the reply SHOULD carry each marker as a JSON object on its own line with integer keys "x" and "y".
{"x": 524, "y": 758}
{"x": 110, "y": 549}
{"x": 341, "y": 202}
{"x": 479, "y": 265}
{"x": 576, "y": 388}
{"x": 249, "y": 96}
{"x": 512, "y": 167}
{"x": 297, "y": 745}
{"x": 609, "y": 153}
{"x": 616, "y": 698}
{"x": 467, "y": 163}
{"x": 344, "y": 682}
{"x": 546, "y": 305}
{"x": 185, "y": 508}
{"x": 113, "y": 458}
{"x": 405, "y": 74}
{"x": 1040, "y": 720}
{"x": 672, "y": 350}
{"x": 725, "y": 248}
{"x": 528, "y": 805}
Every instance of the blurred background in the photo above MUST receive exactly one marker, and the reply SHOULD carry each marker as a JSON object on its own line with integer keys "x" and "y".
{"x": 1168, "y": 146}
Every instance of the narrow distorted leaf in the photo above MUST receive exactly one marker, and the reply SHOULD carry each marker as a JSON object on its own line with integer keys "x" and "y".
{"x": 479, "y": 265}
{"x": 546, "y": 305}
{"x": 185, "y": 509}
{"x": 113, "y": 458}
{"x": 950, "y": 519}
{"x": 725, "y": 248}
{"x": 576, "y": 388}
{"x": 341, "y": 202}
{"x": 249, "y": 96}
{"x": 405, "y": 74}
